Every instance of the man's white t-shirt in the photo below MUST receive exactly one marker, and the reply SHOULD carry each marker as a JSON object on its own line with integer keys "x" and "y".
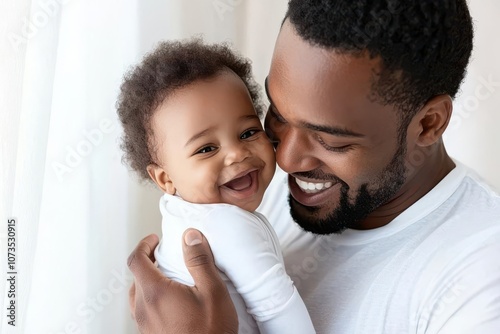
{"x": 434, "y": 269}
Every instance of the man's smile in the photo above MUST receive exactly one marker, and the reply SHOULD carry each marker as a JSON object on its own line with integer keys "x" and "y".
{"x": 316, "y": 193}
{"x": 313, "y": 187}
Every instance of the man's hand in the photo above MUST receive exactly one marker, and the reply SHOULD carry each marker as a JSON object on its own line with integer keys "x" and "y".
{"x": 160, "y": 305}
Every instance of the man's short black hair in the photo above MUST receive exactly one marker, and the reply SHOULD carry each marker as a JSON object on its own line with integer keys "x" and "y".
{"x": 424, "y": 45}
{"x": 171, "y": 66}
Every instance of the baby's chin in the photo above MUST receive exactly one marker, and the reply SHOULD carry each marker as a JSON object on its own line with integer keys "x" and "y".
{"x": 250, "y": 206}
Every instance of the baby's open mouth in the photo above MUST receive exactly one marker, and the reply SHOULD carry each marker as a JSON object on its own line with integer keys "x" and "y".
{"x": 244, "y": 185}
{"x": 240, "y": 183}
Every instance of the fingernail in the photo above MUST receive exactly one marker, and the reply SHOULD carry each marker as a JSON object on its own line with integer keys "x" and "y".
{"x": 192, "y": 238}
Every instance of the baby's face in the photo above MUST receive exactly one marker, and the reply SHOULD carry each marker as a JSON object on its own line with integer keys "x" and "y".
{"x": 211, "y": 146}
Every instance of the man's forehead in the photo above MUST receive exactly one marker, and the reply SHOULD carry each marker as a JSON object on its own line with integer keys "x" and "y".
{"x": 294, "y": 54}
{"x": 308, "y": 83}
{"x": 319, "y": 75}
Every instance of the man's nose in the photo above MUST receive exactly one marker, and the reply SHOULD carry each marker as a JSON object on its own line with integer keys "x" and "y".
{"x": 294, "y": 151}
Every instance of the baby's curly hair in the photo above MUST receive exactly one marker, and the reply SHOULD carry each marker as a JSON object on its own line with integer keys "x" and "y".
{"x": 424, "y": 45}
{"x": 171, "y": 66}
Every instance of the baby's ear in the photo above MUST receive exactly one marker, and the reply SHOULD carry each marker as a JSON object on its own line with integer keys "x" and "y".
{"x": 161, "y": 178}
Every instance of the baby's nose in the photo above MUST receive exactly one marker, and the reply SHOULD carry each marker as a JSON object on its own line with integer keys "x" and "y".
{"x": 237, "y": 153}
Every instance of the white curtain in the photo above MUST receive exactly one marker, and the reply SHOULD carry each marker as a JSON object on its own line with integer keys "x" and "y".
{"x": 79, "y": 212}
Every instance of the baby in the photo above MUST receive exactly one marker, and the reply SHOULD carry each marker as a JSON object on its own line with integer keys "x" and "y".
{"x": 190, "y": 114}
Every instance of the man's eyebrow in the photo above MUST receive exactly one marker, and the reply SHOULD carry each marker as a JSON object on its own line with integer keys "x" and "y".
{"x": 199, "y": 135}
{"x": 332, "y": 130}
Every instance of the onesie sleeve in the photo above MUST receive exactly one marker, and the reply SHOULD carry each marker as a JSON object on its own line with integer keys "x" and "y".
{"x": 245, "y": 249}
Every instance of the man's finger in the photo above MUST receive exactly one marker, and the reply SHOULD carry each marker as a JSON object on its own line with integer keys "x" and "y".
{"x": 200, "y": 260}
{"x": 131, "y": 300}
{"x": 141, "y": 260}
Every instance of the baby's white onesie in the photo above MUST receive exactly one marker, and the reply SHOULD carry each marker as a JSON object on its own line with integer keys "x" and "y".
{"x": 247, "y": 252}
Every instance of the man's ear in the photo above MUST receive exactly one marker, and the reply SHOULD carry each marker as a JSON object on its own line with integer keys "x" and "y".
{"x": 431, "y": 121}
{"x": 161, "y": 178}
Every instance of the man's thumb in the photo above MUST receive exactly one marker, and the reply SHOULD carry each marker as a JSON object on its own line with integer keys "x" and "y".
{"x": 200, "y": 261}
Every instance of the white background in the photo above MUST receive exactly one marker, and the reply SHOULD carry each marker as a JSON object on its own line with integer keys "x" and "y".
{"x": 62, "y": 62}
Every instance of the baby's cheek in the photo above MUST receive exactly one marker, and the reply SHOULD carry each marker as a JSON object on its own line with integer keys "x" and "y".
{"x": 266, "y": 148}
{"x": 270, "y": 153}
{"x": 200, "y": 188}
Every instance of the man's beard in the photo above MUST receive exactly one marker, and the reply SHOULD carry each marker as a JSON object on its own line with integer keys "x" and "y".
{"x": 348, "y": 215}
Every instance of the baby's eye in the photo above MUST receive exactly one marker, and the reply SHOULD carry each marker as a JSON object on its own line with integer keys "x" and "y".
{"x": 249, "y": 133}
{"x": 206, "y": 149}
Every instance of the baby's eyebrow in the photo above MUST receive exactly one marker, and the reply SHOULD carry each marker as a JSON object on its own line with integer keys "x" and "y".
{"x": 250, "y": 117}
{"x": 211, "y": 129}
{"x": 199, "y": 135}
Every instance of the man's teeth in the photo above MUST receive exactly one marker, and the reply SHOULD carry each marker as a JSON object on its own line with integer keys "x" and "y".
{"x": 311, "y": 188}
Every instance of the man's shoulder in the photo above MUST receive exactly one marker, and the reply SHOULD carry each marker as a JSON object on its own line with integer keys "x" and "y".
{"x": 463, "y": 194}
{"x": 476, "y": 197}
{"x": 467, "y": 220}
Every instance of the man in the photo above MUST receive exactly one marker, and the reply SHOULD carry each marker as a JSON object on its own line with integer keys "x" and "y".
{"x": 394, "y": 236}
